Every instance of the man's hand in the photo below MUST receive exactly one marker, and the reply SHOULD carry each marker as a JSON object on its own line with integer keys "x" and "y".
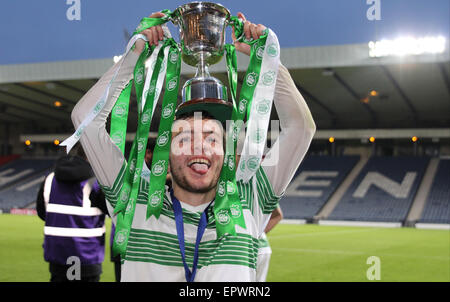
{"x": 154, "y": 34}
{"x": 250, "y": 31}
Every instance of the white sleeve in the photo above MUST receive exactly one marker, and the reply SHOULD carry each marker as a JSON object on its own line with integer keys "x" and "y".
{"x": 297, "y": 130}
{"x": 104, "y": 156}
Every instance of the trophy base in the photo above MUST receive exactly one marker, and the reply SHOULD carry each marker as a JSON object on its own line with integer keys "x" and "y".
{"x": 221, "y": 110}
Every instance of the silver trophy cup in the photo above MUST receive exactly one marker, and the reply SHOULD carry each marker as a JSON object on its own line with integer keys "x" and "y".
{"x": 202, "y": 33}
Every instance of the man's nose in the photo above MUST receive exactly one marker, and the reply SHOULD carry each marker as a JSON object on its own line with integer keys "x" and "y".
{"x": 198, "y": 143}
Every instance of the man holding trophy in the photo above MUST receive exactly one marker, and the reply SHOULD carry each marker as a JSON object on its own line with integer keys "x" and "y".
{"x": 207, "y": 225}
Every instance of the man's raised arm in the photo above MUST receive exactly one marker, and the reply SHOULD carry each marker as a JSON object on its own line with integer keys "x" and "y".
{"x": 104, "y": 156}
{"x": 297, "y": 130}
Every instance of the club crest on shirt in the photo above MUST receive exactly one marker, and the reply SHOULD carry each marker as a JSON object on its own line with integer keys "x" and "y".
{"x": 151, "y": 88}
{"x": 263, "y": 107}
{"x": 139, "y": 76}
{"x": 121, "y": 236}
{"x": 155, "y": 198}
{"x": 272, "y": 50}
{"x": 136, "y": 175}
{"x": 99, "y": 107}
{"x": 167, "y": 111}
{"x": 140, "y": 145}
{"x": 230, "y": 188}
{"x": 173, "y": 57}
{"x": 242, "y": 105}
{"x": 117, "y": 138}
{"x": 235, "y": 210}
{"x": 242, "y": 165}
{"x": 120, "y": 110}
{"x": 252, "y": 163}
{"x": 221, "y": 189}
{"x": 231, "y": 162}
{"x": 172, "y": 84}
{"x": 145, "y": 118}
{"x": 129, "y": 206}
{"x": 163, "y": 139}
{"x": 251, "y": 79}
{"x": 125, "y": 195}
{"x": 260, "y": 52}
{"x": 159, "y": 167}
{"x": 132, "y": 165}
{"x": 258, "y": 136}
{"x": 235, "y": 133}
{"x": 268, "y": 78}
{"x": 223, "y": 217}
{"x": 79, "y": 131}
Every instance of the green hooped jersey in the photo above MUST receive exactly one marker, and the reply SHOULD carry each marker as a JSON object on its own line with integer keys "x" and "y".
{"x": 153, "y": 252}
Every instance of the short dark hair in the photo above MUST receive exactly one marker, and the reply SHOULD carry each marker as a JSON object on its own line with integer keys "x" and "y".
{"x": 205, "y": 114}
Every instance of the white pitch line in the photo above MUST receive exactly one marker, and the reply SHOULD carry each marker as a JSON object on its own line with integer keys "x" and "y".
{"x": 314, "y": 251}
{"x": 319, "y": 233}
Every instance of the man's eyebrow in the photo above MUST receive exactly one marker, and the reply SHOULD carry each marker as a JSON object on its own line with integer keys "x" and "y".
{"x": 192, "y": 131}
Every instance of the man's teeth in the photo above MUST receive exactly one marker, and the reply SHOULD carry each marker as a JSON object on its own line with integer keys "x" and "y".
{"x": 199, "y": 161}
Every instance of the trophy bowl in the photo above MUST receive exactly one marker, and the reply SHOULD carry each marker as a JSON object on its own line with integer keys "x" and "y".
{"x": 202, "y": 28}
{"x": 202, "y": 31}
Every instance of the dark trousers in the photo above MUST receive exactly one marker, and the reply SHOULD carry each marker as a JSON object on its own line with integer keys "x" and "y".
{"x": 89, "y": 273}
{"x": 63, "y": 278}
{"x": 117, "y": 269}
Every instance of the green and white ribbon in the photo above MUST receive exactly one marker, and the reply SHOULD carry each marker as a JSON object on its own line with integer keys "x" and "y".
{"x": 74, "y": 138}
{"x": 163, "y": 65}
{"x": 260, "y": 106}
{"x": 160, "y": 160}
{"x": 257, "y": 91}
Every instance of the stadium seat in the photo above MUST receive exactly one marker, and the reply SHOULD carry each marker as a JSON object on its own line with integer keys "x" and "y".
{"x": 313, "y": 184}
{"x": 383, "y": 191}
{"x": 437, "y": 207}
{"x": 20, "y": 181}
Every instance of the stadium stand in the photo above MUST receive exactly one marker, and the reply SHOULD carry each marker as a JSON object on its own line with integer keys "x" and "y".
{"x": 20, "y": 181}
{"x": 313, "y": 184}
{"x": 437, "y": 207}
{"x": 17, "y": 170}
{"x": 383, "y": 191}
{"x": 22, "y": 194}
{"x": 8, "y": 158}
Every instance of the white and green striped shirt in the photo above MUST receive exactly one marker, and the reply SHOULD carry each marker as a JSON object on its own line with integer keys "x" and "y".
{"x": 153, "y": 251}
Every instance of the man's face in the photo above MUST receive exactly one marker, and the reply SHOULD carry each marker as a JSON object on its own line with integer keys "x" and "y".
{"x": 196, "y": 154}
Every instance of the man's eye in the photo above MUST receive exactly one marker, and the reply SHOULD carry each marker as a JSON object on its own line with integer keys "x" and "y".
{"x": 184, "y": 139}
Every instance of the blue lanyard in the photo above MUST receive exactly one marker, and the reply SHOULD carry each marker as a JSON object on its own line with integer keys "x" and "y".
{"x": 190, "y": 276}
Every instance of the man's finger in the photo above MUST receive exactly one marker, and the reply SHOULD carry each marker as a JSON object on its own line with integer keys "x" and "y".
{"x": 241, "y": 16}
{"x": 260, "y": 29}
{"x": 155, "y": 35}
{"x": 160, "y": 32}
{"x": 148, "y": 34}
{"x": 247, "y": 31}
{"x": 254, "y": 31}
{"x": 157, "y": 15}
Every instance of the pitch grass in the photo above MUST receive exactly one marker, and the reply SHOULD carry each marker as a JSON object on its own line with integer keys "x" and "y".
{"x": 300, "y": 253}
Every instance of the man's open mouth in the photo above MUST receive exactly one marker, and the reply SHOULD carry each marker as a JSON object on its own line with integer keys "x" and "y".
{"x": 199, "y": 165}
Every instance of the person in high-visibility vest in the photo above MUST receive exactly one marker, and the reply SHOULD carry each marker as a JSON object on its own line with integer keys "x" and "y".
{"x": 73, "y": 208}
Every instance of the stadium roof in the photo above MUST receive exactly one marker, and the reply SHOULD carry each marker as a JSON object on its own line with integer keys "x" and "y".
{"x": 343, "y": 86}
{"x": 325, "y": 47}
